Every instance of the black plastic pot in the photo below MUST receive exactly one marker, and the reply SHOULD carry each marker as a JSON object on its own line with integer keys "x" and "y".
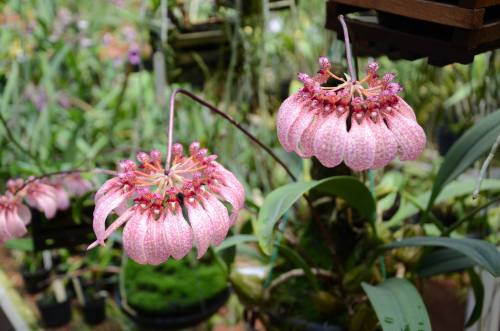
{"x": 54, "y": 314}
{"x": 94, "y": 310}
{"x": 299, "y": 324}
{"x": 35, "y": 281}
{"x": 191, "y": 316}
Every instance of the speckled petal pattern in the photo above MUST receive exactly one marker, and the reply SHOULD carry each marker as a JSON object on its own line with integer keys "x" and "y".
{"x": 409, "y": 135}
{"x": 331, "y": 139}
{"x": 360, "y": 151}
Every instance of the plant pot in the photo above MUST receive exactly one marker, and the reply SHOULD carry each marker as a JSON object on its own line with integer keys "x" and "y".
{"x": 94, "y": 310}
{"x": 54, "y": 314}
{"x": 298, "y": 324}
{"x": 36, "y": 281}
{"x": 189, "y": 317}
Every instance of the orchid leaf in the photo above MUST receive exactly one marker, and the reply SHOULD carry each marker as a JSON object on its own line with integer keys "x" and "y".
{"x": 280, "y": 200}
{"x": 398, "y": 305}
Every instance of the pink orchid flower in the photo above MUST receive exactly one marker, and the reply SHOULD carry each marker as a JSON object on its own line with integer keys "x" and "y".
{"x": 14, "y": 216}
{"x": 75, "y": 185}
{"x": 156, "y": 225}
{"x": 363, "y": 123}
{"x": 45, "y": 198}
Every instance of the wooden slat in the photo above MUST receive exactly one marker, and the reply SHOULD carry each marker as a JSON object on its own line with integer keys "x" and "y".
{"x": 488, "y": 33}
{"x": 439, "y": 52}
{"x": 478, "y": 3}
{"x": 430, "y": 11}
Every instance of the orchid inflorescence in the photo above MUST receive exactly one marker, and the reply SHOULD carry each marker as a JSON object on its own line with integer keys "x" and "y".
{"x": 45, "y": 194}
{"x": 163, "y": 200}
{"x": 363, "y": 123}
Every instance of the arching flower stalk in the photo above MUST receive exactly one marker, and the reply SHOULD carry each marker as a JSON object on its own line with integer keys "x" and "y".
{"x": 192, "y": 201}
{"x": 364, "y": 123}
{"x": 45, "y": 194}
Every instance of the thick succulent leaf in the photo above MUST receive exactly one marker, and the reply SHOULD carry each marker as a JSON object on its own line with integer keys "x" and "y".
{"x": 398, "y": 306}
{"x": 442, "y": 261}
{"x": 481, "y": 252}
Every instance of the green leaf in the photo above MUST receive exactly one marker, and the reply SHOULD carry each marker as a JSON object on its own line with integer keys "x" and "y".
{"x": 452, "y": 190}
{"x": 235, "y": 241}
{"x": 398, "y": 306}
{"x": 281, "y": 199}
{"x": 443, "y": 261}
{"x": 21, "y": 244}
{"x": 478, "y": 288}
{"x": 481, "y": 252}
{"x": 469, "y": 148}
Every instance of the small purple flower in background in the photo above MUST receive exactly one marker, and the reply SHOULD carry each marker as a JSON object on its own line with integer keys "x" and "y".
{"x": 119, "y": 3}
{"x": 63, "y": 100}
{"x": 129, "y": 33}
{"x": 156, "y": 227}
{"x": 37, "y": 95}
{"x": 134, "y": 56}
{"x": 315, "y": 121}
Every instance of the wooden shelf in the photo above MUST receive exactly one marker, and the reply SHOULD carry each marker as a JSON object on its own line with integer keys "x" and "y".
{"x": 410, "y": 29}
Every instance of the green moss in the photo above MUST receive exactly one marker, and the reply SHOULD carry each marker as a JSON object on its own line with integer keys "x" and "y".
{"x": 172, "y": 286}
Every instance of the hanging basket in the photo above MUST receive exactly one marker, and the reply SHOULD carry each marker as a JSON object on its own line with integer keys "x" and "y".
{"x": 442, "y": 31}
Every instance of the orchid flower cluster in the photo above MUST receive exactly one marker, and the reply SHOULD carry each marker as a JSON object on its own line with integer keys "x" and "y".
{"x": 363, "y": 123}
{"x": 45, "y": 195}
{"x": 168, "y": 210}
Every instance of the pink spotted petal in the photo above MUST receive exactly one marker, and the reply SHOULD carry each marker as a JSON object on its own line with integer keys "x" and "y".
{"x": 103, "y": 208}
{"x": 45, "y": 203}
{"x": 220, "y": 221}
{"x": 4, "y": 233}
{"x": 24, "y": 213}
{"x": 134, "y": 236}
{"x": 15, "y": 226}
{"x": 288, "y": 112}
{"x": 405, "y": 109}
{"x": 114, "y": 226}
{"x": 179, "y": 235}
{"x": 386, "y": 145}
{"x": 299, "y": 127}
{"x": 62, "y": 199}
{"x": 306, "y": 147}
{"x": 201, "y": 225}
{"x": 409, "y": 135}
{"x": 231, "y": 190}
{"x": 122, "y": 207}
{"x": 331, "y": 140}
{"x": 155, "y": 249}
{"x": 110, "y": 184}
{"x": 360, "y": 151}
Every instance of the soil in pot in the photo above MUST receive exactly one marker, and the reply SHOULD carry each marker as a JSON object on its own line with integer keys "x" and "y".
{"x": 54, "y": 314}
{"x": 175, "y": 294}
{"x": 35, "y": 281}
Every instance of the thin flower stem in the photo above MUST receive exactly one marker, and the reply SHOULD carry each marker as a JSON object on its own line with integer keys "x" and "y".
{"x": 16, "y": 143}
{"x": 352, "y": 73}
{"x": 223, "y": 115}
{"x": 484, "y": 167}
